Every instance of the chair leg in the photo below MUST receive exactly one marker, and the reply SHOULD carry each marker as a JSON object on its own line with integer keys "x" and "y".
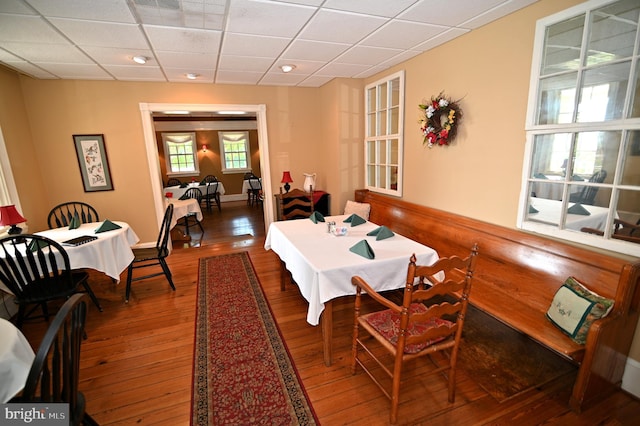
{"x": 92, "y": 295}
{"x": 167, "y": 273}
{"x": 88, "y": 420}
{"x": 128, "y": 290}
{"x": 218, "y": 202}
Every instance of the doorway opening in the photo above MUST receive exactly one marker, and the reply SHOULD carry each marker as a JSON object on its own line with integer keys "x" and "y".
{"x": 147, "y": 110}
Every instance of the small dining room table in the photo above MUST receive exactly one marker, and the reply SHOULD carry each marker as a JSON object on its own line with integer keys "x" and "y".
{"x": 177, "y": 191}
{"x": 182, "y": 208}
{"x": 109, "y": 253}
{"x": 16, "y": 357}
{"x": 322, "y": 265}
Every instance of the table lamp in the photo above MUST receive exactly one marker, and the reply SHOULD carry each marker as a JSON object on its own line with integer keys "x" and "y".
{"x": 286, "y": 179}
{"x": 9, "y": 216}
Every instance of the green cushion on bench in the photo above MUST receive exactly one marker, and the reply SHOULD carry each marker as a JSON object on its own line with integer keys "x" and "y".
{"x": 574, "y": 308}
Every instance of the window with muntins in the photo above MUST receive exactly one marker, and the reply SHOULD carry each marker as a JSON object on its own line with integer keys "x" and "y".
{"x": 581, "y": 180}
{"x": 235, "y": 152}
{"x": 384, "y": 106}
{"x": 181, "y": 154}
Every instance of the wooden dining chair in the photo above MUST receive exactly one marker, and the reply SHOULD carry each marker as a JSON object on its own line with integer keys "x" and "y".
{"x": 430, "y": 319}
{"x": 62, "y": 214}
{"x": 211, "y": 194}
{"x": 295, "y": 204}
{"x": 36, "y": 270}
{"x": 55, "y": 371}
{"x": 153, "y": 256}
{"x": 186, "y": 220}
{"x": 173, "y": 182}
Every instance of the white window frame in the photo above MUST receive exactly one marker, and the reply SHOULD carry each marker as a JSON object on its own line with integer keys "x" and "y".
{"x": 574, "y": 127}
{"x": 188, "y": 136}
{"x": 234, "y": 135}
{"x": 384, "y": 124}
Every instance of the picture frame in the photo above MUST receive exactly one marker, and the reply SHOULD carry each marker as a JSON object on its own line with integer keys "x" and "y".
{"x": 93, "y": 162}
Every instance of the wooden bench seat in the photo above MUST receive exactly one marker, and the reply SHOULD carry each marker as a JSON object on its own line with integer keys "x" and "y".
{"x": 516, "y": 277}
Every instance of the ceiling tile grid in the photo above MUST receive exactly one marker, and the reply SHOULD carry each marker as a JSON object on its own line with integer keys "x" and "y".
{"x": 230, "y": 41}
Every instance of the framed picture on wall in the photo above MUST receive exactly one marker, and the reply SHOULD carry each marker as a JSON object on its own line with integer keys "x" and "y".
{"x": 93, "y": 162}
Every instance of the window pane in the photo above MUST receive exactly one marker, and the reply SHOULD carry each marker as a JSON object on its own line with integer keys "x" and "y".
{"x": 550, "y": 155}
{"x": 631, "y": 166}
{"x": 371, "y": 99}
{"x": 635, "y": 94}
{"x": 628, "y": 208}
{"x": 395, "y": 92}
{"x": 613, "y": 31}
{"x": 393, "y": 158}
{"x": 394, "y": 120}
{"x": 557, "y": 99}
{"x": 382, "y": 155}
{"x": 371, "y": 175}
{"x": 382, "y": 96}
{"x": 382, "y": 123}
{"x": 562, "y": 46}
{"x": 594, "y": 152}
{"x": 603, "y": 92}
{"x": 370, "y": 152}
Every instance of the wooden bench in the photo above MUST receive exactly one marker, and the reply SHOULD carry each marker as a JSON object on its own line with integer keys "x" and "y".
{"x": 516, "y": 277}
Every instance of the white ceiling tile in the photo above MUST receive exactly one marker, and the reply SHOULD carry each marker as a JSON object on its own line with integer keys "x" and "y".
{"x": 115, "y": 55}
{"x": 267, "y": 18}
{"x": 365, "y": 55}
{"x": 237, "y": 77}
{"x": 92, "y": 33}
{"x": 183, "y": 39}
{"x": 38, "y": 52}
{"x": 371, "y": 7}
{"x": 136, "y": 73}
{"x": 180, "y": 75}
{"x": 441, "y": 39}
{"x": 281, "y": 79}
{"x": 252, "y": 45}
{"x": 103, "y": 10}
{"x": 402, "y": 34}
{"x": 315, "y": 81}
{"x": 15, "y": 6}
{"x": 31, "y": 29}
{"x": 244, "y": 63}
{"x": 343, "y": 27}
{"x": 341, "y": 70}
{"x": 314, "y": 50}
{"x": 30, "y": 69}
{"x": 249, "y": 39}
{"x": 76, "y": 71}
{"x": 448, "y": 13}
{"x": 180, "y": 59}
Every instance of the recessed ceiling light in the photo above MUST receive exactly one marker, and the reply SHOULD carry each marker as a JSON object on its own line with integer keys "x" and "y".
{"x": 192, "y": 76}
{"x": 287, "y": 68}
{"x": 140, "y": 59}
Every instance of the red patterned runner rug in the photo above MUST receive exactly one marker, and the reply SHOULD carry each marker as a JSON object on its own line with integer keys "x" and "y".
{"x": 243, "y": 374}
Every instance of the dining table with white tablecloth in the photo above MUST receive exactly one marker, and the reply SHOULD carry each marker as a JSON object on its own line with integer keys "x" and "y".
{"x": 16, "y": 357}
{"x": 176, "y": 191}
{"x": 110, "y": 253}
{"x": 181, "y": 208}
{"x": 322, "y": 264}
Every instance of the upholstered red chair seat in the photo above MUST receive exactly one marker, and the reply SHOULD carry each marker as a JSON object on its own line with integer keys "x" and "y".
{"x": 387, "y": 323}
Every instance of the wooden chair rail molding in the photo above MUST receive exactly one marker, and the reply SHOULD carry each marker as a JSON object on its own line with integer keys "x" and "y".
{"x": 516, "y": 277}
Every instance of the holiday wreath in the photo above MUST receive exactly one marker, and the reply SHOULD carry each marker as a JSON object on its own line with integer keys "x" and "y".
{"x": 440, "y": 122}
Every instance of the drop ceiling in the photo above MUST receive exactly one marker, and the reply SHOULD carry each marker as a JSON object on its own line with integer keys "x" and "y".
{"x": 230, "y": 41}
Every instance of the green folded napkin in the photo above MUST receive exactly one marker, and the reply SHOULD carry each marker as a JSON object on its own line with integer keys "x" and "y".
{"x": 107, "y": 225}
{"x": 34, "y": 244}
{"x": 578, "y": 209}
{"x": 316, "y": 217}
{"x": 75, "y": 221}
{"x": 540, "y": 176}
{"x": 355, "y": 220}
{"x": 532, "y": 209}
{"x": 363, "y": 249}
{"x": 381, "y": 233}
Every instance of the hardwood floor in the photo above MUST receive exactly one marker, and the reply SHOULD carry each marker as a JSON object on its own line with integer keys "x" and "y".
{"x": 136, "y": 365}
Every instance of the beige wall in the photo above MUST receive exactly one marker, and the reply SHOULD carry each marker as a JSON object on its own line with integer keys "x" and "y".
{"x": 310, "y": 130}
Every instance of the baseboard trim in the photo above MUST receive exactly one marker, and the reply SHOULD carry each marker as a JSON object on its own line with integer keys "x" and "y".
{"x": 631, "y": 377}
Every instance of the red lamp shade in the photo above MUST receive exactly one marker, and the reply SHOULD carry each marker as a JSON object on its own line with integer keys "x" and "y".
{"x": 286, "y": 179}
{"x": 9, "y": 216}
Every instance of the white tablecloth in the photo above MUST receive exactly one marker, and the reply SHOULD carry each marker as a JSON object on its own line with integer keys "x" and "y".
{"x": 182, "y": 207}
{"x": 111, "y": 253}
{"x": 246, "y": 185}
{"x": 549, "y": 212}
{"x": 16, "y": 357}
{"x": 178, "y": 192}
{"x": 322, "y": 265}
